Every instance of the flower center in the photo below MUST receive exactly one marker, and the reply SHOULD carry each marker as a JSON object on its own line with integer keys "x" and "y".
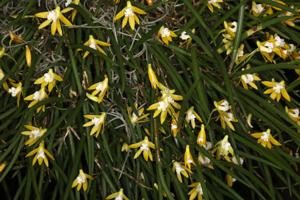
{"x": 37, "y": 96}
{"x": 144, "y": 147}
{"x": 134, "y": 118}
{"x": 174, "y": 126}
{"x": 100, "y": 87}
{"x": 248, "y": 78}
{"x": 294, "y": 112}
{"x": 96, "y": 121}
{"x": 233, "y": 27}
{"x": 226, "y": 146}
{"x": 93, "y": 45}
{"x": 279, "y": 42}
{"x": 165, "y": 32}
{"x": 14, "y": 91}
{"x": 68, "y": 2}
{"x": 265, "y": 136}
{"x": 259, "y": 8}
{"x": 80, "y": 179}
{"x": 199, "y": 189}
{"x": 277, "y": 88}
{"x": 162, "y": 106}
{"x": 224, "y": 106}
{"x": 190, "y": 116}
{"x": 52, "y": 16}
{"x": 41, "y": 154}
{"x": 184, "y": 36}
{"x": 48, "y": 77}
{"x": 128, "y": 12}
{"x": 35, "y": 134}
{"x": 268, "y": 47}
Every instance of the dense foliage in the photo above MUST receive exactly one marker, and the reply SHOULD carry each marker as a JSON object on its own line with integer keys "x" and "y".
{"x": 142, "y": 99}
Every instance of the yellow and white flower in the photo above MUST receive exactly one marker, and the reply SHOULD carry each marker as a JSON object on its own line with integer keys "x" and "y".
{"x": 130, "y": 14}
{"x": 137, "y": 117}
{"x": 55, "y": 17}
{"x": 40, "y": 155}
{"x": 34, "y": 134}
{"x": 192, "y": 116}
{"x": 15, "y": 90}
{"x": 201, "y": 139}
{"x": 266, "y": 139}
{"x": 188, "y": 158}
{"x": 293, "y": 113}
{"x": 179, "y": 169}
{"x": 95, "y": 44}
{"x": 223, "y": 149}
{"x": 165, "y": 35}
{"x": 37, "y": 97}
{"x": 81, "y": 181}
{"x": 97, "y": 121}
{"x": 145, "y": 147}
{"x": 214, "y": 3}
{"x": 99, "y": 89}
{"x": 48, "y": 79}
{"x": 196, "y": 191}
{"x": 166, "y": 104}
{"x": 249, "y": 79}
{"x": 117, "y": 195}
{"x": 276, "y": 90}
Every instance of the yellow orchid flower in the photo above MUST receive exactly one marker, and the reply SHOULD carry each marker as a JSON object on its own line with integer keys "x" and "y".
{"x": 174, "y": 124}
{"x": 129, "y": 14}
{"x": 196, "y": 191}
{"x": 145, "y": 147}
{"x": 230, "y": 29}
{"x": 81, "y": 181}
{"x": 2, "y": 166}
{"x": 36, "y": 97}
{"x": 34, "y": 134}
{"x": 99, "y": 89}
{"x": 137, "y": 117}
{"x": 257, "y": 9}
{"x": 74, "y": 11}
{"x": 229, "y": 180}
{"x": 249, "y": 79}
{"x": 28, "y": 56}
{"x": 48, "y": 79}
{"x": 15, "y": 38}
{"x": 293, "y": 113}
{"x": 214, "y": 3}
{"x": 95, "y": 44}
{"x": 223, "y": 149}
{"x": 97, "y": 121}
{"x": 179, "y": 169}
{"x": 166, "y": 103}
{"x": 225, "y": 115}
{"x": 201, "y": 139}
{"x": 40, "y": 155}
{"x": 276, "y": 90}
{"x": 267, "y": 50}
{"x": 165, "y": 35}
{"x": 15, "y": 90}
{"x": 188, "y": 158}
{"x": 1, "y": 74}
{"x": 266, "y": 139}
{"x": 55, "y": 17}
{"x": 204, "y": 161}
{"x": 152, "y": 77}
{"x": 118, "y": 195}
{"x": 191, "y": 115}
